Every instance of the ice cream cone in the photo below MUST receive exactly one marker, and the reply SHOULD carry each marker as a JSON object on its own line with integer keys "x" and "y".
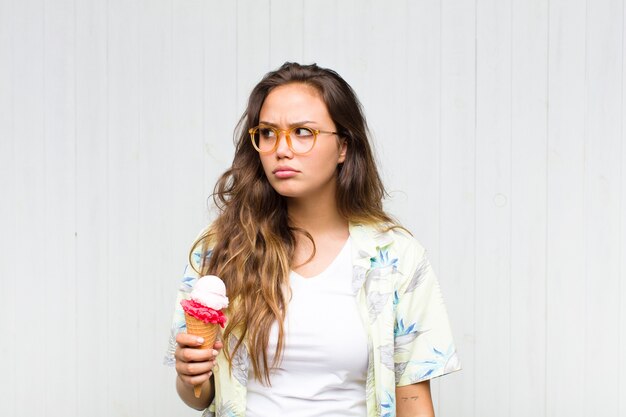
{"x": 203, "y": 312}
{"x": 208, "y": 331}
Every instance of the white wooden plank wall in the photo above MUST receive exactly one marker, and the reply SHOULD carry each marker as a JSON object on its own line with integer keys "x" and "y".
{"x": 498, "y": 125}
{"x": 455, "y": 257}
{"x": 89, "y": 381}
{"x": 528, "y": 165}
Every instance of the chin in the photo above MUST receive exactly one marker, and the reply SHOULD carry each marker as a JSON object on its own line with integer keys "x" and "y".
{"x": 286, "y": 190}
{"x": 287, "y": 193}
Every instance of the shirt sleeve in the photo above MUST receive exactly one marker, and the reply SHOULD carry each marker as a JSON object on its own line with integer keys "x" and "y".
{"x": 423, "y": 342}
{"x": 190, "y": 276}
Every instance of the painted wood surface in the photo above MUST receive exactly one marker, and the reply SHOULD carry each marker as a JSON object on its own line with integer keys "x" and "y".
{"x": 498, "y": 126}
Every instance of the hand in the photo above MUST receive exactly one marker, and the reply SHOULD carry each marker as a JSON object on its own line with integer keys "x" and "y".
{"x": 194, "y": 366}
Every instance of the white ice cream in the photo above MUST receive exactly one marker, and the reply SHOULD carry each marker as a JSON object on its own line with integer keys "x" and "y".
{"x": 211, "y": 292}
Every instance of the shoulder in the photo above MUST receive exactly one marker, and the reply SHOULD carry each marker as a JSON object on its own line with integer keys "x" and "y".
{"x": 408, "y": 251}
{"x": 392, "y": 237}
{"x": 406, "y": 244}
{"x": 394, "y": 244}
{"x": 202, "y": 247}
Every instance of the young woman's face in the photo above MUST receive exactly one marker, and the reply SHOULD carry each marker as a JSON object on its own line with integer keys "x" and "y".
{"x": 311, "y": 174}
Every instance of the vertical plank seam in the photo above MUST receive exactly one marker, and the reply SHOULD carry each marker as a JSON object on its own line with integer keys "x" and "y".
{"x": 510, "y": 193}
{"x": 171, "y": 129}
{"x": 475, "y": 191}
{"x": 75, "y": 277}
{"x": 15, "y": 208}
{"x": 168, "y": 59}
{"x": 107, "y": 186}
{"x": 75, "y": 272}
{"x": 268, "y": 61}
{"x": 139, "y": 132}
{"x": 204, "y": 135}
{"x": 621, "y": 218}
{"x": 302, "y": 23}
{"x": 584, "y": 194}
{"x": 44, "y": 115}
{"x": 439, "y": 139}
{"x": 546, "y": 231}
{"x": 236, "y": 55}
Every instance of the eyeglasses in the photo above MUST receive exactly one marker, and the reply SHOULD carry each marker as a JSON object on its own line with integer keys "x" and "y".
{"x": 300, "y": 139}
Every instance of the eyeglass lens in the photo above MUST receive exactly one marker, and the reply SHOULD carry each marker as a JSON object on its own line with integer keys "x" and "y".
{"x": 302, "y": 138}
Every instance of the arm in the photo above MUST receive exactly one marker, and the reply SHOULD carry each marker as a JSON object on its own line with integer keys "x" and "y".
{"x": 414, "y": 400}
{"x": 194, "y": 367}
{"x": 423, "y": 343}
{"x": 185, "y": 392}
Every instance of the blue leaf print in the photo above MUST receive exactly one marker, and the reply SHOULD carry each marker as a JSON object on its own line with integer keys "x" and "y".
{"x": 188, "y": 281}
{"x": 197, "y": 256}
{"x": 396, "y": 299}
{"x": 427, "y": 373}
{"x": 400, "y": 330}
{"x": 388, "y": 407}
{"x": 437, "y": 363}
{"x": 382, "y": 260}
{"x": 405, "y": 335}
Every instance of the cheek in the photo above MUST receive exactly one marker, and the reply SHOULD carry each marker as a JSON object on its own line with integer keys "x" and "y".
{"x": 326, "y": 160}
{"x": 265, "y": 162}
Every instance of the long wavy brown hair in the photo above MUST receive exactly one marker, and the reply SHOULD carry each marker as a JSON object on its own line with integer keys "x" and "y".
{"x": 252, "y": 239}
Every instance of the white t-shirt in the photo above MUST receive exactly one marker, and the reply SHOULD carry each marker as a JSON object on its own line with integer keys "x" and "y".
{"x": 324, "y": 363}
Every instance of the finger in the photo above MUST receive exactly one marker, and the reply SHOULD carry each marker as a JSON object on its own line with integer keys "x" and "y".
{"x": 194, "y": 368}
{"x": 218, "y": 345}
{"x": 195, "y": 355}
{"x": 196, "y": 379}
{"x": 185, "y": 339}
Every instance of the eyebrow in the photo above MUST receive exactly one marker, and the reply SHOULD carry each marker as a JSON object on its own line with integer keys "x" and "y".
{"x": 304, "y": 122}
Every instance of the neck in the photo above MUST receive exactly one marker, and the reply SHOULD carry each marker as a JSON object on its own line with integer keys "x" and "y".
{"x": 317, "y": 216}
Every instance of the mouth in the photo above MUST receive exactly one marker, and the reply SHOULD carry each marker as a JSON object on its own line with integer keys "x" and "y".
{"x": 284, "y": 172}
{"x": 283, "y": 169}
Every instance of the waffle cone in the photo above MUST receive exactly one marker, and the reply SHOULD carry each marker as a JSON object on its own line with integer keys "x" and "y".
{"x": 208, "y": 331}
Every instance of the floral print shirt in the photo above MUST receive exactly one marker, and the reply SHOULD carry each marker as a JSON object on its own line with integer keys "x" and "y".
{"x": 409, "y": 336}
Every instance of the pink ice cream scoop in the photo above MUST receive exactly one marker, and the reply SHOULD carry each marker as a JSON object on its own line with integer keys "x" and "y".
{"x": 207, "y": 299}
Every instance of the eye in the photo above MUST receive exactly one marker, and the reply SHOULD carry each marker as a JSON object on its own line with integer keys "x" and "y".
{"x": 303, "y": 132}
{"x": 266, "y": 132}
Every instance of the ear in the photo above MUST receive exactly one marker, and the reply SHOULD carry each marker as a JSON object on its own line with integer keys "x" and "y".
{"x": 343, "y": 149}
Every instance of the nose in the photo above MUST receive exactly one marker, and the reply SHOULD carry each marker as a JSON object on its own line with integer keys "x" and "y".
{"x": 282, "y": 149}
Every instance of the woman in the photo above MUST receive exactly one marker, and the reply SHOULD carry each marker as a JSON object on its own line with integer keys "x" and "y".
{"x": 335, "y": 310}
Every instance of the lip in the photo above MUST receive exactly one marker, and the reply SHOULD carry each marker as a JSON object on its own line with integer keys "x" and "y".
{"x": 284, "y": 172}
